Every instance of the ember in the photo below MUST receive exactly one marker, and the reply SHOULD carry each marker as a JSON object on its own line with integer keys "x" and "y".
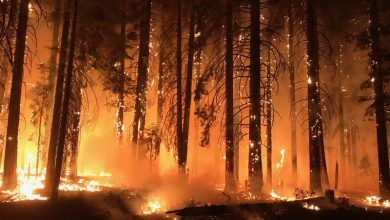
{"x": 311, "y": 206}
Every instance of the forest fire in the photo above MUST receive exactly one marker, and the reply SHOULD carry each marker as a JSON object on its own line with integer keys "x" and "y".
{"x": 222, "y": 109}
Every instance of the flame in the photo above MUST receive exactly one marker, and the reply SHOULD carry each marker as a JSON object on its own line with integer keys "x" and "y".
{"x": 26, "y": 188}
{"x": 311, "y": 206}
{"x": 29, "y": 184}
{"x": 279, "y": 166}
{"x": 153, "y": 206}
{"x": 377, "y": 201}
{"x": 278, "y": 197}
{"x": 81, "y": 185}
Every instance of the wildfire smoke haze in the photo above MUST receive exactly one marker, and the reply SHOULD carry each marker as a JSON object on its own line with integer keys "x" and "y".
{"x": 170, "y": 109}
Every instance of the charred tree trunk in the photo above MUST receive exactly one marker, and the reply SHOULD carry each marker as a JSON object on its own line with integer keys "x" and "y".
{"x": 342, "y": 154}
{"x": 3, "y": 79}
{"x": 55, "y": 125}
{"x": 11, "y": 145}
{"x": 230, "y": 182}
{"x": 75, "y": 131}
{"x": 182, "y": 155}
{"x": 237, "y": 101}
{"x": 65, "y": 112}
{"x": 255, "y": 162}
{"x": 318, "y": 172}
{"x": 53, "y": 67}
{"x": 268, "y": 101}
{"x": 380, "y": 117}
{"x": 354, "y": 134}
{"x": 291, "y": 62}
{"x": 122, "y": 79}
{"x": 188, "y": 90}
{"x": 142, "y": 77}
{"x": 7, "y": 56}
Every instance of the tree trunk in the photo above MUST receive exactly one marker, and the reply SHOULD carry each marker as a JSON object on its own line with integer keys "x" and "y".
{"x": 255, "y": 161}
{"x": 65, "y": 112}
{"x": 291, "y": 62}
{"x": 230, "y": 182}
{"x": 53, "y": 68}
{"x": 6, "y": 55}
{"x": 122, "y": 79}
{"x": 142, "y": 77}
{"x": 268, "y": 97}
{"x": 55, "y": 125}
{"x": 188, "y": 89}
{"x": 341, "y": 130}
{"x": 11, "y": 145}
{"x": 383, "y": 152}
{"x": 237, "y": 101}
{"x": 179, "y": 132}
{"x": 76, "y": 111}
{"x": 318, "y": 173}
{"x": 195, "y": 153}
{"x": 3, "y": 80}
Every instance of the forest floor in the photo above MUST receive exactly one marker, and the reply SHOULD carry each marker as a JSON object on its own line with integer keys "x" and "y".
{"x": 126, "y": 204}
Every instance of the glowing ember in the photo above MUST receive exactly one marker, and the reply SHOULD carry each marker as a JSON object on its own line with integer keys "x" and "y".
{"x": 377, "y": 201}
{"x": 311, "y": 207}
{"x": 278, "y": 197}
{"x": 152, "y": 207}
{"x": 81, "y": 185}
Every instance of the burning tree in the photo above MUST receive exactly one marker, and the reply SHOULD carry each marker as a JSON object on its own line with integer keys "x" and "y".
{"x": 11, "y": 147}
{"x": 370, "y": 39}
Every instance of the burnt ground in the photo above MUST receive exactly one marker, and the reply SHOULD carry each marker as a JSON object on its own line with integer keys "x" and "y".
{"x": 284, "y": 210}
{"x": 126, "y": 204}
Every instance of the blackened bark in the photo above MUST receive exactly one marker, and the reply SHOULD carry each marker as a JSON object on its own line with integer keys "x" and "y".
{"x": 53, "y": 66}
{"x": 341, "y": 130}
{"x": 122, "y": 78}
{"x": 291, "y": 61}
{"x": 230, "y": 182}
{"x": 268, "y": 101}
{"x": 142, "y": 77}
{"x": 318, "y": 173}
{"x": 75, "y": 110}
{"x": 255, "y": 164}
{"x": 380, "y": 117}
{"x": 11, "y": 145}
{"x": 65, "y": 112}
{"x": 188, "y": 90}
{"x": 182, "y": 155}
{"x": 237, "y": 101}
{"x": 55, "y": 125}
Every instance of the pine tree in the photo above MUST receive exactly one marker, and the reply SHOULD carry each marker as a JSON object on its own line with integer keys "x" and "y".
{"x": 142, "y": 77}
{"x": 65, "y": 109}
{"x": 11, "y": 146}
{"x": 318, "y": 172}
{"x": 230, "y": 184}
{"x": 55, "y": 125}
{"x": 255, "y": 161}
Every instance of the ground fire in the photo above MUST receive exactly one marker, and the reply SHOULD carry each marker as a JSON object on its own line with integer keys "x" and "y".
{"x": 194, "y": 109}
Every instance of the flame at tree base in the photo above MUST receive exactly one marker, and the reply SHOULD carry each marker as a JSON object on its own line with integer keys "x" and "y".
{"x": 29, "y": 185}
